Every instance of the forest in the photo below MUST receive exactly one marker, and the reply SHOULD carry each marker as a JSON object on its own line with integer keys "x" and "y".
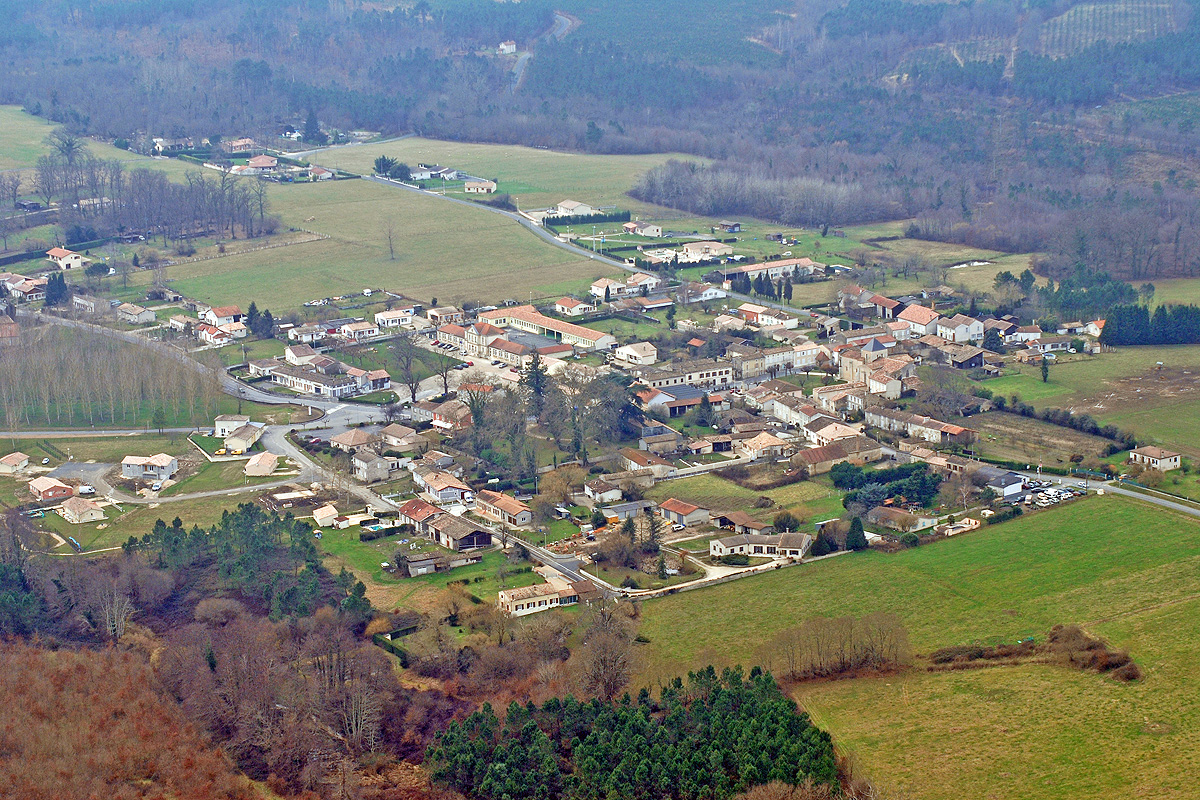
{"x": 712, "y": 737}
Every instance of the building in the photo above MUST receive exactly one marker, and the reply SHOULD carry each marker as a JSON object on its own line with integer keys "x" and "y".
{"x": 1155, "y": 458}
{"x": 261, "y": 464}
{"x": 13, "y": 463}
{"x": 396, "y": 318}
{"x": 637, "y": 354}
{"x": 502, "y": 508}
{"x": 920, "y": 320}
{"x": 458, "y": 534}
{"x": 306, "y": 334}
{"x": 819, "y": 460}
{"x": 353, "y": 439}
{"x": 226, "y": 424}
{"x": 358, "y": 331}
{"x": 623, "y": 511}
{"x": 918, "y": 427}
{"x": 570, "y": 307}
{"x": 643, "y": 229}
{"x": 778, "y": 545}
{"x": 606, "y": 288}
{"x": 66, "y": 259}
{"x": 87, "y": 305}
{"x": 479, "y": 187}
{"x": 370, "y": 467}
{"x": 222, "y": 315}
{"x": 529, "y": 319}
{"x": 1007, "y": 486}
{"x": 134, "y": 315}
{"x": 158, "y": 467}
{"x": 444, "y": 315}
{"x": 241, "y": 439}
{"x": 730, "y": 227}
{"x": 960, "y": 329}
{"x": 599, "y": 490}
{"x": 400, "y": 437}
{"x": 508, "y": 48}
{"x": 574, "y": 208}
{"x": 419, "y": 514}
{"x": 78, "y": 510}
{"x": 324, "y": 516}
{"x": 554, "y": 593}
{"x": 701, "y": 372}
{"x": 700, "y": 251}
{"x": 677, "y": 512}
{"x": 307, "y": 380}
{"x": 442, "y": 486}
{"x": 46, "y": 488}
{"x": 764, "y": 445}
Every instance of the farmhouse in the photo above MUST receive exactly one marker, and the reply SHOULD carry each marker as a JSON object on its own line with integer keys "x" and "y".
{"x": 158, "y": 467}
{"x": 65, "y": 259}
{"x": 78, "y": 510}
{"x": 543, "y": 596}
{"x": 1155, "y": 458}
{"x": 13, "y": 463}
{"x": 306, "y": 333}
{"x": 45, "y": 488}
{"x": 502, "y": 508}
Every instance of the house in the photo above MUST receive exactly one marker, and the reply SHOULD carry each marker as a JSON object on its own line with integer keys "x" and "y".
{"x": 400, "y": 437}
{"x": 634, "y": 460}
{"x": 261, "y": 464}
{"x": 237, "y": 330}
{"x": 660, "y": 439}
{"x": 570, "y": 307}
{"x": 85, "y": 304}
{"x": 778, "y": 545}
{"x": 598, "y": 490}
{"x": 396, "y": 318}
{"x": 13, "y": 463}
{"x": 419, "y": 514}
{"x": 643, "y": 229}
{"x": 370, "y": 467}
{"x": 642, "y": 282}
{"x": 243, "y": 438}
{"x": 226, "y": 424}
{"x": 351, "y": 440}
{"x": 530, "y": 320}
{"x": 918, "y": 427}
{"x": 321, "y": 174}
{"x": 1094, "y": 328}
{"x": 444, "y": 315}
{"x": 134, "y": 315}
{"x": 458, "y": 534}
{"x": 692, "y": 292}
{"x": 311, "y": 380}
{"x": 45, "y": 488}
{"x": 699, "y": 251}
{"x": 306, "y": 334}
{"x": 960, "y": 329}
{"x": 573, "y": 208}
{"x": 508, "y": 48}
{"x": 603, "y": 288}
{"x": 324, "y": 516}
{"x": 66, "y": 259}
{"x": 899, "y": 520}
{"x": 300, "y": 355}
{"x": 358, "y": 331}
{"x": 819, "y": 460}
{"x": 222, "y": 315}
{"x": 730, "y": 227}
{"x": 1155, "y": 458}
{"x": 764, "y": 445}
{"x": 502, "y": 508}
{"x": 243, "y": 145}
{"x": 680, "y": 513}
{"x": 962, "y": 356}
{"x": 921, "y": 320}
{"x": 479, "y": 187}
{"x": 700, "y": 372}
{"x": 263, "y": 163}
{"x": 545, "y": 596}
{"x": 442, "y": 486}
{"x": 78, "y": 510}
{"x": 741, "y": 522}
{"x": 158, "y": 467}
{"x": 638, "y": 353}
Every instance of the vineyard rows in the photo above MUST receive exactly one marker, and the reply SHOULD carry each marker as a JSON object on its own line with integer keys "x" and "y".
{"x": 1123, "y": 21}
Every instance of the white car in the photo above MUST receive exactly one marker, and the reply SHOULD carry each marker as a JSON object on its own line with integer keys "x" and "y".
{"x": 45, "y": 461}
{"x": 87, "y": 488}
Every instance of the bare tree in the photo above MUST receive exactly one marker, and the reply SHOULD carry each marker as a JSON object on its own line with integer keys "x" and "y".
{"x": 390, "y": 232}
{"x": 606, "y": 663}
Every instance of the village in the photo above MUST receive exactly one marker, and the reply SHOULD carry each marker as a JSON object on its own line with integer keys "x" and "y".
{"x": 753, "y": 394}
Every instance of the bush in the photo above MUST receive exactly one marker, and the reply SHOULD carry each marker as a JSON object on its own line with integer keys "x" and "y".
{"x": 630, "y": 583}
{"x": 910, "y": 539}
{"x": 735, "y": 560}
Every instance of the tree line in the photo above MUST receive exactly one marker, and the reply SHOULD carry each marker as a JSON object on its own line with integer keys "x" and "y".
{"x": 1135, "y": 325}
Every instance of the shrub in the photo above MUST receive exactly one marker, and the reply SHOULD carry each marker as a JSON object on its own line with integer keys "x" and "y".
{"x": 910, "y": 539}
{"x": 735, "y": 560}
{"x": 629, "y": 583}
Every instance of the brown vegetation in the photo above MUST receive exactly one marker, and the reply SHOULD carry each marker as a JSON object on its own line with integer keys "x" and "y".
{"x": 1066, "y": 645}
{"x": 826, "y": 648}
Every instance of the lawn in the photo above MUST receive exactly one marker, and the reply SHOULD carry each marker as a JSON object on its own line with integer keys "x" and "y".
{"x": 1123, "y": 569}
{"x": 815, "y": 499}
{"x": 1124, "y": 388}
{"x": 215, "y": 475}
{"x": 138, "y": 520}
{"x": 104, "y": 449}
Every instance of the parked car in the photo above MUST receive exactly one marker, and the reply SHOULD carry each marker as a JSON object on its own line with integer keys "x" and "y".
{"x": 45, "y": 461}
{"x": 154, "y": 487}
{"x": 87, "y": 488}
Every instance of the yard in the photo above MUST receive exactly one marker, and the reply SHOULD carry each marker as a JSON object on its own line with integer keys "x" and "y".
{"x": 1028, "y": 732}
{"x": 213, "y": 475}
{"x": 138, "y": 520}
{"x": 813, "y": 500}
{"x": 105, "y": 449}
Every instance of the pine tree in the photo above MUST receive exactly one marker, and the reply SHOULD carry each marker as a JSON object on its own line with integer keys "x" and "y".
{"x": 251, "y": 319}
{"x": 629, "y": 528}
{"x": 856, "y": 539}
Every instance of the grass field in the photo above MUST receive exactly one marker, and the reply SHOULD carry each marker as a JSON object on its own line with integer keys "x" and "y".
{"x": 815, "y": 500}
{"x": 1121, "y": 568}
{"x": 219, "y": 475}
{"x": 104, "y": 449}
{"x": 1123, "y": 388}
{"x": 138, "y": 520}
{"x": 1016, "y": 438}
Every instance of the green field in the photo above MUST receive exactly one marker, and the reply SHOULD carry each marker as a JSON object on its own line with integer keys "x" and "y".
{"x": 104, "y": 449}
{"x": 1123, "y": 388}
{"x": 220, "y": 475}
{"x": 138, "y": 520}
{"x": 815, "y": 500}
{"x": 1123, "y": 569}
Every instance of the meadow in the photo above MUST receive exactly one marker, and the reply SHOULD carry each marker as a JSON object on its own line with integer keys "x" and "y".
{"x": 1016, "y": 438}
{"x": 1124, "y": 388}
{"x": 811, "y": 500}
{"x": 1023, "y": 732}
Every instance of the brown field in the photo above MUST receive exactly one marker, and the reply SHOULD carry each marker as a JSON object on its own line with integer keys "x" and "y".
{"x": 1016, "y": 438}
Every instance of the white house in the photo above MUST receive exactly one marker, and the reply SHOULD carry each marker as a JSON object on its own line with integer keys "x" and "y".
{"x": 134, "y": 315}
{"x": 222, "y": 315}
{"x": 570, "y": 307}
{"x": 920, "y": 320}
{"x": 13, "y": 463}
{"x": 574, "y": 208}
{"x": 1155, "y": 458}
{"x": 960, "y": 329}
{"x": 78, "y": 510}
{"x": 396, "y": 318}
{"x": 639, "y": 354}
{"x": 226, "y": 424}
{"x": 603, "y": 286}
{"x": 508, "y": 48}
{"x": 65, "y": 259}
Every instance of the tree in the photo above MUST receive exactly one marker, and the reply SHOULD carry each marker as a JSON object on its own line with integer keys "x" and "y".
{"x": 537, "y": 381}
{"x": 443, "y": 365}
{"x": 251, "y": 319}
{"x": 785, "y": 521}
{"x": 910, "y": 539}
{"x": 598, "y": 519}
{"x": 1045, "y": 369}
{"x": 992, "y": 341}
{"x": 856, "y": 538}
{"x": 824, "y": 545}
{"x": 660, "y": 570}
{"x": 266, "y": 325}
{"x": 159, "y": 420}
{"x": 629, "y": 529}
{"x": 406, "y": 359}
{"x": 57, "y": 291}
{"x": 383, "y": 166}
{"x": 390, "y": 233}
{"x": 606, "y": 663}
{"x": 312, "y": 129}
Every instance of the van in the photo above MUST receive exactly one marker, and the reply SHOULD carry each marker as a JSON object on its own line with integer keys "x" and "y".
{"x": 86, "y": 488}
{"x": 156, "y": 486}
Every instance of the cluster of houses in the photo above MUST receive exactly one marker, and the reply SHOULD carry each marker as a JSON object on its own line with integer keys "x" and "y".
{"x": 302, "y": 369}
